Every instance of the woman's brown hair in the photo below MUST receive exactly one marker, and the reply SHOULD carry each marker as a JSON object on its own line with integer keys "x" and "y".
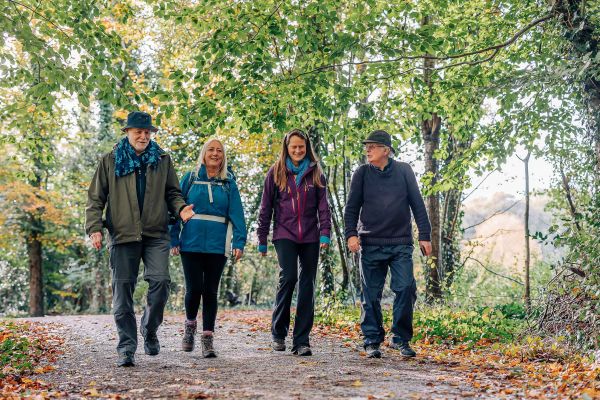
{"x": 280, "y": 169}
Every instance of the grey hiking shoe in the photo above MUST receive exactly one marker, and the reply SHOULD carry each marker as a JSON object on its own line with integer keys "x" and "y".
{"x": 126, "y": 359}
{"x": 208, "y": 351}
{"x": 373, "y": 351}
{"x": 404, "y": 349}
{"x": 151, "y": 344}
{"x": 303, "y": 351}
{"x": 278, "y": 344}
{"x": 187, "y": 343}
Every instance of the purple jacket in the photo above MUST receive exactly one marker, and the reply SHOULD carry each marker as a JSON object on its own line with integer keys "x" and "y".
{"x": 301, "y": 214}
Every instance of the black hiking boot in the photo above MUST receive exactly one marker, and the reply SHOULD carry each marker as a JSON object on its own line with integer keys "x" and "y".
{"x": 208, "y": 351}
{"x": 373, "y": 351}
{"x": 126, "y": 359}
{"x": 151, "y": 344}
{"x": 404, "y": 349}
{"x": 187, "y": 344}
{"x": 303, "y": 351}
{"x": 278, "y": 344}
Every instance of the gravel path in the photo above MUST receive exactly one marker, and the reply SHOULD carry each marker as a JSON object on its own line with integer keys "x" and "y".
{"x": 246, "y": 367}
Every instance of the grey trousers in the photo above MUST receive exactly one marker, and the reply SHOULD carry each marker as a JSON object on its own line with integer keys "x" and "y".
{"x": 125, "y": 263}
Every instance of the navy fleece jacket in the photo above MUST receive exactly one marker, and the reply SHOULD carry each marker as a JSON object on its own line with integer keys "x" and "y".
{"x": 379, "y": 205}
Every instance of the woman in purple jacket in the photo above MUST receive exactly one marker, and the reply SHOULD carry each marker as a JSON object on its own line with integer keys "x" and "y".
{"x": 295, "y": 197}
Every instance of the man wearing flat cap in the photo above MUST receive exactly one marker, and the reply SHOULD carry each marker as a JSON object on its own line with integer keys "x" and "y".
{"x": 135, "y": 187}
{"x": 377, "y": 219}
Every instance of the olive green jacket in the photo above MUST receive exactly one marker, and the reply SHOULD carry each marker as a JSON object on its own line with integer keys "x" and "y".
{"x": 118, "y": 195}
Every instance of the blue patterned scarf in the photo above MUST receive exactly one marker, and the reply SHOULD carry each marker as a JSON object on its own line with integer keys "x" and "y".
{"x": 126, "y": 161}
{"x": 299, "y": 170}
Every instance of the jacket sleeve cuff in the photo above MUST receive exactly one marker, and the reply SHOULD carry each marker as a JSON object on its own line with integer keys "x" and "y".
{"x": 425, "y": 237}
{"x": 324, "y": 240}
{"x": 349, "y": 234}
{"x": 262, "y": 248}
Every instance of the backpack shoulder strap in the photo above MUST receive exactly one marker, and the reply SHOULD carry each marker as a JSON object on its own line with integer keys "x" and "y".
{"x": 188, "y": 186}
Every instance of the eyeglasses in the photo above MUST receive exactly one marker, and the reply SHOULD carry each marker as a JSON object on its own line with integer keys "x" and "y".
{"x": 371, "y": 146}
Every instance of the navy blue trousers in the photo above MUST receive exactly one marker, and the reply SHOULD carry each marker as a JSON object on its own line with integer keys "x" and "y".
{"x": 374, "y": 264}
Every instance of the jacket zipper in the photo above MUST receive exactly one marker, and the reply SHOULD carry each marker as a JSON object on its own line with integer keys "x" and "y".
{"x": 299, "y": 224}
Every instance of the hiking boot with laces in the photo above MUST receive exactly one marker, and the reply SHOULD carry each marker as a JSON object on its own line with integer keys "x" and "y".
{"x": 187, "y": 344}
{"x": 208, "y": 351}
{"x": 404, "y": 349}
{"x": 126, "y": 359}
{"x": 303, "y": 351}
{"x": 278, "y": 344}
{"x": 151, "y": 344}
{"x": 373, "y": 351}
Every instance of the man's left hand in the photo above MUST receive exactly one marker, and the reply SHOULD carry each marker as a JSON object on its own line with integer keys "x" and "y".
{"x": 186, "y": 213}
{"x": 324, "y": 245}
{"x": 425, "y": 246}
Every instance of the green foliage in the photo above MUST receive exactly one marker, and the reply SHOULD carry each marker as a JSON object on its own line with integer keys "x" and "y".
{"x": 440, "y": 324}
{"x": 464, "y": 326}
{"x": 249, "y": 71}
{"x": 15, "y": 350}
{"x": 333, "y": 310}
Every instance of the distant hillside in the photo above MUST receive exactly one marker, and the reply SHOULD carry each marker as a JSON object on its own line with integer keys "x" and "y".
{"x": 494, "y": 227}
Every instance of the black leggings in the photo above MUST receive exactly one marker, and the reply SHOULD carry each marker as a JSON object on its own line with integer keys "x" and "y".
{"x": 297, "y": 264}
{"x": 202, "y": 273}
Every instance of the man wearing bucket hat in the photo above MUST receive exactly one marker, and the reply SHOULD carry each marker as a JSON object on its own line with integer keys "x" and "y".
{"x": 377, "y": 219}
{"x": 137, "y": 185}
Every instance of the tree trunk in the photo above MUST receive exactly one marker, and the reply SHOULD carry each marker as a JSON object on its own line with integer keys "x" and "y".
{"x": 527, "y": 294}
{"x": 450, "y": 250}
{"x": 327, "y": 281}
{"x": 36, "y": 283}
{"x": 451, "y": 210}
{"x": 99, "y": 303}
{"x": 430, "y": 131}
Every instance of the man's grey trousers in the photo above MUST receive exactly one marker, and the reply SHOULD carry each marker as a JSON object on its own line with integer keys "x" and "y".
{"x": 125, "y": 263}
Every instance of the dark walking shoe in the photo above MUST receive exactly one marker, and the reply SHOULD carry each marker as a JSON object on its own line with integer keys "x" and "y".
{"x": 404, "y": 349}
{"x": 187, "y": 344}
{"x": 278, "y": 344}
{"x": 303, "y": 351}
{"x": 373, "y": 351}
{"x": 126, "y": 359}
{"x": 151, "y": 344}
{"x": 208, "y": 351}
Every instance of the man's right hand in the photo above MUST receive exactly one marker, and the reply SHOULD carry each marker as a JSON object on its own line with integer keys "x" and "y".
{"x": 354, "y": 244}
{"x": 175, "y": 251}
{"x": 96, "y": 239}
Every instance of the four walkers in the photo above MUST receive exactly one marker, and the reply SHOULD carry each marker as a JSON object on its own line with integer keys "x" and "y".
{"x": 135, "y": 192}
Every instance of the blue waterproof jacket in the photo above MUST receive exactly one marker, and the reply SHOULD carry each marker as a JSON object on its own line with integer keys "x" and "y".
{"x": 210, "y": 197}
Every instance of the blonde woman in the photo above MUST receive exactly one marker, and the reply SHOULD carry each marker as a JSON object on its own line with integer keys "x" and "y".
{"x": 217, "y": 228}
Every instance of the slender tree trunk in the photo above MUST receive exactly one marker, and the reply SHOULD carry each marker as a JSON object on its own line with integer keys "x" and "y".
{"x": 450, "y": 250}
{"x": 430, "y": 130}
{"x": 327, "y": 281}
{"x": 451, "y": 211}
{"x": 36, "y": 282}
{"x": 527, "y": 294}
